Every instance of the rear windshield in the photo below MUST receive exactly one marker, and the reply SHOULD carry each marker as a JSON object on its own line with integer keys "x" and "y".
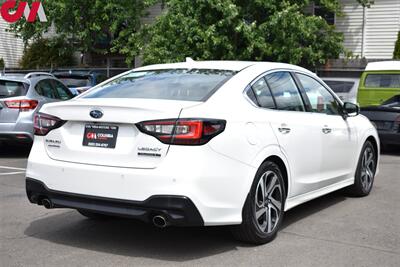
{"x": 340, "y": 86}
{"x": 12, "y": 89}
{"x": 73, "y": 82}
{"x": 383, "y": 81}
{"x": 170, "y": 84}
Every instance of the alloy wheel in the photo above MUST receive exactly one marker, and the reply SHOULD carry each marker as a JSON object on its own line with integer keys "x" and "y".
{"x": 268, "y": 202}
{"x": 367, "y": 169}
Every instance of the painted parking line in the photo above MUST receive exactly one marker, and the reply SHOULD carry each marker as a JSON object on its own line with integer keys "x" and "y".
{"x": 12, "y": 168}
{"x": 11, "y": 173}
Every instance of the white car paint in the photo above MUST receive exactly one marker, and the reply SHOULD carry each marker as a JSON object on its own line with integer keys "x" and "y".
{"x": 216, "y": 176}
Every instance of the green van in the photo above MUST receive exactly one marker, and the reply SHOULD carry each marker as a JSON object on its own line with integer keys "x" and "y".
{"x": 379, "y": 82}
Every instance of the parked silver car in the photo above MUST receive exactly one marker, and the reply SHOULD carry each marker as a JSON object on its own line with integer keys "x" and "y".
{"x": 345, "y": 88}
{"x": 21, "y": 97}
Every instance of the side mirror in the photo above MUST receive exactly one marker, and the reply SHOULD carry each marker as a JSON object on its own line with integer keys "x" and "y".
{"x": 350, "y": 109}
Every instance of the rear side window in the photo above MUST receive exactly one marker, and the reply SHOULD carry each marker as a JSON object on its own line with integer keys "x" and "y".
{"x": 170, "y": 84}
{"x": 285, "y": 92}
{"x": 63, "y": 92}
{"x": 382, "y": 81}
{"x": 45, "y": 88}
{"x": 340, "y": 86}
{"x": 12, "y": 89}
{"x": 263, "y": 94}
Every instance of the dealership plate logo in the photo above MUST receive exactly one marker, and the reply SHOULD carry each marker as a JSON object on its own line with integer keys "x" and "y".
{"x": 96, "y": 114}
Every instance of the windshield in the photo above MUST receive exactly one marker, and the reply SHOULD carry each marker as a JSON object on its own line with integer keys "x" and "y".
{"x": 170, "y": 84}
{"x": 12, "y": 89}
{"x": 76, "y": 81}
{"x": 383, "y": 81}
{"x": 340, "y": 86}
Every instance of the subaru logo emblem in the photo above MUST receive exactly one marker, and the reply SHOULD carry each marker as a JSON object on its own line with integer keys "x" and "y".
{"x": 96, "y": 114}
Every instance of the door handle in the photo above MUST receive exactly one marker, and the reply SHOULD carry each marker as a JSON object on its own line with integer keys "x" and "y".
{"x": 326, "y": 130}
{"x": 284, "y": 129}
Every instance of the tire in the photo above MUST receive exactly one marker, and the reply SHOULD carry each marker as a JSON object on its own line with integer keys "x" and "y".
{"x": 93, "y": 215}
{"x": 262, "y": 220}
{"x": 365, "y": 173}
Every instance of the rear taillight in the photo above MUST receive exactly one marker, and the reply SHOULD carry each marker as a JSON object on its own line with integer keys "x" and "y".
{"x": 44, "y": 123}
{"x": 22, "y": 105}
{"x": 183, "y": 131}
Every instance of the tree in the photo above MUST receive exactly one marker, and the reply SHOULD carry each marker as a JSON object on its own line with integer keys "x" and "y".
{"x": 2, "y": 64}
{"x": 366, "y": 3}
{"x": 272, "y": 30}
{"x": 47, "y": 53}
{"x": 396, "y": 53}
{"x": 90, "y": 25}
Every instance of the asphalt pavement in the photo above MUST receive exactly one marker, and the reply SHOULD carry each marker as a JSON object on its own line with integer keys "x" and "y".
{"x": 334, "y": 230}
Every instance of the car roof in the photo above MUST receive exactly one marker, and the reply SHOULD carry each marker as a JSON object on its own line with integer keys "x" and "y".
{"x": 383, "y": 65}
{"x": 16, "y": 77}
{"x": 222, "y": 65}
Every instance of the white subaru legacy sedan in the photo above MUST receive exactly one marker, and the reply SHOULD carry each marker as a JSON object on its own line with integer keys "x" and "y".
{"x": 200, "y": 144}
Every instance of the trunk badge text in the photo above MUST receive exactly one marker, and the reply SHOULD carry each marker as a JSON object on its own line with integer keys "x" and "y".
{"x": 147, "y": 151}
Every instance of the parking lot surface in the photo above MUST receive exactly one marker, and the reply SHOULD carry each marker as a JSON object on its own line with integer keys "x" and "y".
{"x": 334, "y": 230}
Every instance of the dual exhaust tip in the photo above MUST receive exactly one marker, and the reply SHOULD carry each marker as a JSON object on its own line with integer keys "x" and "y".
{"x": 159, "y": 220}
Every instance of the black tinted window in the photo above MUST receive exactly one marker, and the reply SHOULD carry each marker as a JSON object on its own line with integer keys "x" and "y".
{"x": 263, "y": 94}
{"x": 171, "y": 84}
{"x": 285, "y": 92}
{"x": 45, "y": 88}
{"x": 383, "y": 81}
{"x": 340, "y": 86}
{"x": 62, "y": 91}
{"x": 12, "y": 89}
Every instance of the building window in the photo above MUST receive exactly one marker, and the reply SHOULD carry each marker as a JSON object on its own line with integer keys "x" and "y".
{"x": 329, "y": 16}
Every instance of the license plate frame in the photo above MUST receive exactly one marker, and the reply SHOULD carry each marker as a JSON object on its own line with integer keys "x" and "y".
{"x": 100, "y": 135}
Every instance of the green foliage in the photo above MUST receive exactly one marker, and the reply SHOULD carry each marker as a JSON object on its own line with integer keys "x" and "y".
{"x": 90, "y": 25}
{"x": 2, "y": 63}
{"x": 46, "y": 53}
{"x": 271, "y": 30}
{"x": 366, "y": 3}
{"x": 396, "y": 53}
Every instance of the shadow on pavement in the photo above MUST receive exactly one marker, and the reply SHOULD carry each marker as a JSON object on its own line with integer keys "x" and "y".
{"x": 14, "y": 150}
{"x": 135, "y": 239}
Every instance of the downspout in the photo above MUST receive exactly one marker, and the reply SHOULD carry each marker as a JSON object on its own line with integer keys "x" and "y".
{"x": 364, "y": 25}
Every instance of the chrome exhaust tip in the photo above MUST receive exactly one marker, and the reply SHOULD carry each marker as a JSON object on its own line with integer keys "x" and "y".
{"x": 160, "y": 221}
{"x": 47, "y": 203}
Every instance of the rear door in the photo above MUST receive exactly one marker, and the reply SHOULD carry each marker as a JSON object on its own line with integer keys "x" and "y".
{"x": 298, "y": 133}
{"x": 10, "y": 90}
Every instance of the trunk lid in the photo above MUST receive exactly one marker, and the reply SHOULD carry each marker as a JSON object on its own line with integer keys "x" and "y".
{"x": 133, "y": 149}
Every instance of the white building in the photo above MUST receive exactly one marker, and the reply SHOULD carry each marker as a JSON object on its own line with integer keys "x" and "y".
{"x": 11, "y": 48}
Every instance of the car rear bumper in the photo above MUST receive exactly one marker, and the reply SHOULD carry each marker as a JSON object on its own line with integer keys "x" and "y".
{"x": 217, "y": 185}
{"x": 16, "y": 137}
{"x": 20, "y": 131}
{"x": 178, "y": 210}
